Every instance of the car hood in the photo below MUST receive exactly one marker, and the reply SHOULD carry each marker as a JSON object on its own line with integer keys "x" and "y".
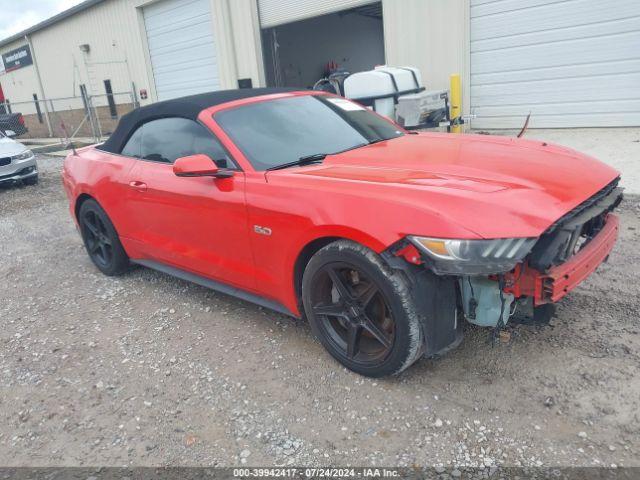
{"x": 9, "y": 147}
{"x": 492, "y": 186}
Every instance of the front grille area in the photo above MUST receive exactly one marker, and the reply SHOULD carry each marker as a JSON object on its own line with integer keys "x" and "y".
{"x": 4, "y": 161}
{"x": 575, "y": 229}
{"x": 24, "y": 171}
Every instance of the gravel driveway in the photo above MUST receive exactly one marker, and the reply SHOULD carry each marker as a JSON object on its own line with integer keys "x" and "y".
{"x": 146, "y": 369}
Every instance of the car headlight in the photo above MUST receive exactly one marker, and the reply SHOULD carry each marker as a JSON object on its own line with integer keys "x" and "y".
{"x": 24, "y": 155}
{"x": 473, "y": 257}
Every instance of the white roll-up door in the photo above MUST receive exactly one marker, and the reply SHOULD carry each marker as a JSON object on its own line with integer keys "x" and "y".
{"x": 278, "y": 12}
{"x": 181, "y": 47}
{"x": 571, "y": 63}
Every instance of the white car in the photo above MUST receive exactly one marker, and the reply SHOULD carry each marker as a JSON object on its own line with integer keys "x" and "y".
{"x": 17, "y": 162}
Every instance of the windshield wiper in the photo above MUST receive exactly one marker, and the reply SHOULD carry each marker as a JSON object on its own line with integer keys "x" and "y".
{"x": 316, "y": 157}
{"x": 302, "y": 161}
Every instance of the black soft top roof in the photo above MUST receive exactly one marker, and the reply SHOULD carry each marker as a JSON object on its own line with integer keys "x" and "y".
{"x": 185, "y": 107}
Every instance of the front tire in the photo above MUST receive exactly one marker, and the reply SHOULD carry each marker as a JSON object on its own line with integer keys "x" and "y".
{"x": 361, "y": 310}
{"x": 101, "y": 239}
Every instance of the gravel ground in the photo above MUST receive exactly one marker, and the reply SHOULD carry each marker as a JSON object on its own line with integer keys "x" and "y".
{"x": 149, "y": 370}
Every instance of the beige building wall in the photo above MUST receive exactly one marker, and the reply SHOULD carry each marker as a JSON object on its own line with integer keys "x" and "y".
{"x": 245, "y": 30}
{"x": 110, "y": 29}
{"x": 19, "y": 85}
{"x": 117, "y": 50}
{"x": 114, "y": 31}
{"x": 432, "y": 35}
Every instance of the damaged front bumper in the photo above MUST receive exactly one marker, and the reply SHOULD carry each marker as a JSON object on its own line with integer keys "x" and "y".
{"x": 562, "y": 258}
{"x": 490, "y": 301}
{"x": 558, "y": 281}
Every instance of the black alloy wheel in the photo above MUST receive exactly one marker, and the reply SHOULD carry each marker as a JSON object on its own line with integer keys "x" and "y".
{"x": 361, "y": 310}
{"x": 99, "y": 244}
{"x": 354, "y": 314}
{"x": 101, "y": 239}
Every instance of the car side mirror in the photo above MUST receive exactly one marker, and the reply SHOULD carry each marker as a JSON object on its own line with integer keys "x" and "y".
{"x": 199, "y": 165}
{"x": 10, "y": 133}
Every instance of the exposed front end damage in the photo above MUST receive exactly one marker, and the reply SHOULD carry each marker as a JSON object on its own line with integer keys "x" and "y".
{"x": 556, "y": 263}
{"x": 484, "y": 303}
{"x": 568, "y": 251}
{"x": 491, "y": 301}
{"x": 551, "y": 285}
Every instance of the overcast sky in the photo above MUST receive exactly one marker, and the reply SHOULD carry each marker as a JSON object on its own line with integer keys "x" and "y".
{"x": 17, "y": 15}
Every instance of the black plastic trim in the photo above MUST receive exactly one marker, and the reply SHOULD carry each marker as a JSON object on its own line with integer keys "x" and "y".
{"x": 555, "y": 243}
{"x": 436, "y": 302}
{"x": 435, "y": 298}
{"x": 222, "y": 173}
{"x": 413, "y": 74}
{"x": 217, "y": 286}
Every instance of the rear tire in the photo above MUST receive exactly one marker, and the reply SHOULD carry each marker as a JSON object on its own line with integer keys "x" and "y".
{"x": 101, "y": 239}
{"x": 361, "y": 310}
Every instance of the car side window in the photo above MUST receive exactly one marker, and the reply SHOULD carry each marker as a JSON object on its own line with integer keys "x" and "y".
{"x": 133, "y": 147}
{"x": 167, "y": 139}
{"x": 205, "y": 142}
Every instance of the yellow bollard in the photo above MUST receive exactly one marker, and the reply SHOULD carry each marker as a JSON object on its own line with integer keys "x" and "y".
{"x": 455, "y": 102}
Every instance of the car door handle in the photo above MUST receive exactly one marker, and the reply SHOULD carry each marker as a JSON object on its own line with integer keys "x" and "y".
{"x": 137, "y": 185}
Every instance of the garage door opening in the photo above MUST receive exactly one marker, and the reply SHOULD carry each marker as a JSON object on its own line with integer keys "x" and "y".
{"x": 298, "y": 54}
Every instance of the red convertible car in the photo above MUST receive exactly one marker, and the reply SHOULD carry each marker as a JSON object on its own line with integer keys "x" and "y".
{"x": 314, "y": 206}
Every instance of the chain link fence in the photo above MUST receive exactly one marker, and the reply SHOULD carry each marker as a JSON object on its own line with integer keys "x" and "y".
{"x": 90, "y": 117}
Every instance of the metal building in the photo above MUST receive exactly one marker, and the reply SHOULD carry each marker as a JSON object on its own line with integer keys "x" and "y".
{"x": 571, "y": 63}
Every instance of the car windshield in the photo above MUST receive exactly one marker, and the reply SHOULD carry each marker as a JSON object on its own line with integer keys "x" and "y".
{"x": 277, "y": 132}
